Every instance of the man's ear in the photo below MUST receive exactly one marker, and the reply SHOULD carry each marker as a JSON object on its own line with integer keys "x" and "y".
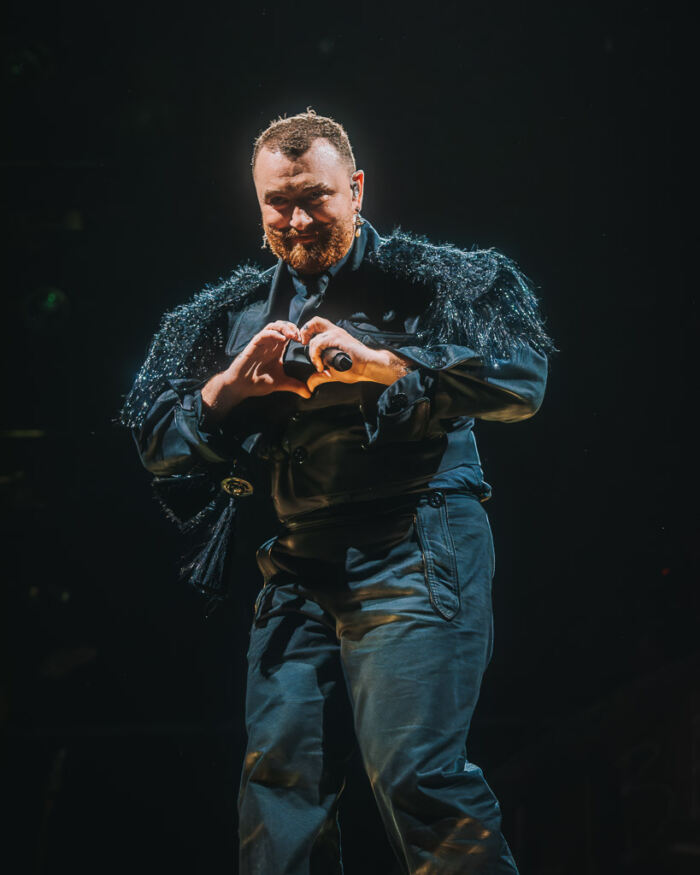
{"x": 357, "y": 184}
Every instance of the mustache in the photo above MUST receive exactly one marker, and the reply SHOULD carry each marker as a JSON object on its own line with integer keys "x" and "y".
{"x": 291, "y": 235}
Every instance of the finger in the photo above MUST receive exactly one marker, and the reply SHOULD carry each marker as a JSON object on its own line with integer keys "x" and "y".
{"x": 289, "y": 329}
{"x": 318, "y": 343}
{"x": 315, "y": 380}
{"x": 267, "y": 334}
{"x": 295, "y": 386}
{"x": 314, "y": 326}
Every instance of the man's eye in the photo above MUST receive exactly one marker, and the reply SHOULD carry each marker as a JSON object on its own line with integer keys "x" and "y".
{"x": 277, "y": 201}
{"x": 317, "y": 199}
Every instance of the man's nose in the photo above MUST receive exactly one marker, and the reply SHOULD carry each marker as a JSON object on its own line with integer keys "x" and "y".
{"x": 300, "y": 220}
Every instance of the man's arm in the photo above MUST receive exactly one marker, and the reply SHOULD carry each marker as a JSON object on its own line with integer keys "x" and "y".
{"x": 508, "y": 388}
{"x": 425, "y": 385}
{"x": 450, "y": 381}
{"x": 176, "y": 435}
{"x": 185, "y": 425}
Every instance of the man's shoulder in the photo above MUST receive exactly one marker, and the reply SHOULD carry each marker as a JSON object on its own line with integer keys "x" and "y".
{"x": 415, "y": 258}
{"x": 190, "y": 340}
{"x": 476, "y": 297}
{"x": 244, "y": 287}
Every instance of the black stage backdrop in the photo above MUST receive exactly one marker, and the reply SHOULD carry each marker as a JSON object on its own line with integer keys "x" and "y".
{"x": 551, "y": 131}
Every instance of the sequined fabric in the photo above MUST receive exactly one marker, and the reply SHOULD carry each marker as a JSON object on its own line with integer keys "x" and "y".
{"x": 478, "y": 298}
{"x": 190, "y": 340}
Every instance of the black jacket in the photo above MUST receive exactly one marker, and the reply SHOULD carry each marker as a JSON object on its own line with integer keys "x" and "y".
{"x": 468, "y": 322}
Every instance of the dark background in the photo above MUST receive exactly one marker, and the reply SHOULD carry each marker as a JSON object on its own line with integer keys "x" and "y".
{"x": 554, "y": 132}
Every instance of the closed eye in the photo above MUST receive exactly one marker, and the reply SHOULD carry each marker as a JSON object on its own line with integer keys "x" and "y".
{"x": 311, "y": 198}
{"x": 316, "y": 199}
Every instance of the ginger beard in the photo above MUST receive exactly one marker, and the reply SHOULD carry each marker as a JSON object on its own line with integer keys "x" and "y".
{"x": 330, "y": 244}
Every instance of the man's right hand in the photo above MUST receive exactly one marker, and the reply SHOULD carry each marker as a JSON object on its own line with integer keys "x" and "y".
{"x": 257, "y": 370}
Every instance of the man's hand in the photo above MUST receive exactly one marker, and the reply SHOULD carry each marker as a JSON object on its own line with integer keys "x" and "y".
{"x": 370, "y": 365}
{"x": 255, "y": 371}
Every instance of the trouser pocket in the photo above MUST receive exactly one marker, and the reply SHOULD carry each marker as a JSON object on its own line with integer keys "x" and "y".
{"x": 439, "y": 558}
{"x": 267, "y": 568}
{"x": 264, "y": 559}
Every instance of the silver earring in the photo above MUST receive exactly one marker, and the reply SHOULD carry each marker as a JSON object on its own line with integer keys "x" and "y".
{"x": 264, "y": 241}
{"x": 359, "y": 222}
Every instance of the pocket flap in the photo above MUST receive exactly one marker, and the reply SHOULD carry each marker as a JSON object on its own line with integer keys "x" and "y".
{"x": 440, "y": 561}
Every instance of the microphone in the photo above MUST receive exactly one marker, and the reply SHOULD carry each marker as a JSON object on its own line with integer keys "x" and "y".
{"x": 297, "y": 364}
{"x": 332, "y": 357}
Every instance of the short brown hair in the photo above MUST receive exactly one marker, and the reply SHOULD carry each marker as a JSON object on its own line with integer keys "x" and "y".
{"x": 293, "y": 136}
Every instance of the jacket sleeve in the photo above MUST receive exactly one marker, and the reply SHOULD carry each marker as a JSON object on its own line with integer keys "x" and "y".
{"x": 480, "y": 347}
{"x": 448, "y": 381}
{"x": 174, "y": 437}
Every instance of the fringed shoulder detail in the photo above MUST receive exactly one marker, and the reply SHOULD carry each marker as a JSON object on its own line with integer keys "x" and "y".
{"x": 478, "y": 298}
{"x": 191, "y": 339}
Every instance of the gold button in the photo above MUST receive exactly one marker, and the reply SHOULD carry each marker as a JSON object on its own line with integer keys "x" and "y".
{"x": 237, "y": 486}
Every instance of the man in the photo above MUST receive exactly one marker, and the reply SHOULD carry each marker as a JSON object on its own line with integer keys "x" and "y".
{"x": 374, "y": 624}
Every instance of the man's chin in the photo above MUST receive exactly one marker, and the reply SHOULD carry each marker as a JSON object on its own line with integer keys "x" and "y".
{"x": 313, "y": 255}
{"x": 306, "y": 257}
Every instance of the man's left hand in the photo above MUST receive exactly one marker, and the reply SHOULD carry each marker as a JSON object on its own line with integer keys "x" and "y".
{"x": 371, "y": 365}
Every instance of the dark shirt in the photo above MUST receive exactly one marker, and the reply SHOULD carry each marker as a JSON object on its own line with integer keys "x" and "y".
{"x": 310, "y": 290}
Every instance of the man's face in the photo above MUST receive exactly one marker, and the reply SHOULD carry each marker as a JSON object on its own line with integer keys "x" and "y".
{"x": 307, "y": 205}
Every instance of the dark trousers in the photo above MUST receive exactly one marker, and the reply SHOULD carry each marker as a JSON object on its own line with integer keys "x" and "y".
{"x": 373, "y": 630}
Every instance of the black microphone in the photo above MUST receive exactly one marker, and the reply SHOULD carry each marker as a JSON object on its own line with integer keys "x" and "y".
{"x": 332, "y": 357}
{"x": 297, "y": 363}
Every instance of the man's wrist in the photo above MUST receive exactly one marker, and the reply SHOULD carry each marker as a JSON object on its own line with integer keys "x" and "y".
{"x": 387, "y": 367}
{"x": 219, "y": 396}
